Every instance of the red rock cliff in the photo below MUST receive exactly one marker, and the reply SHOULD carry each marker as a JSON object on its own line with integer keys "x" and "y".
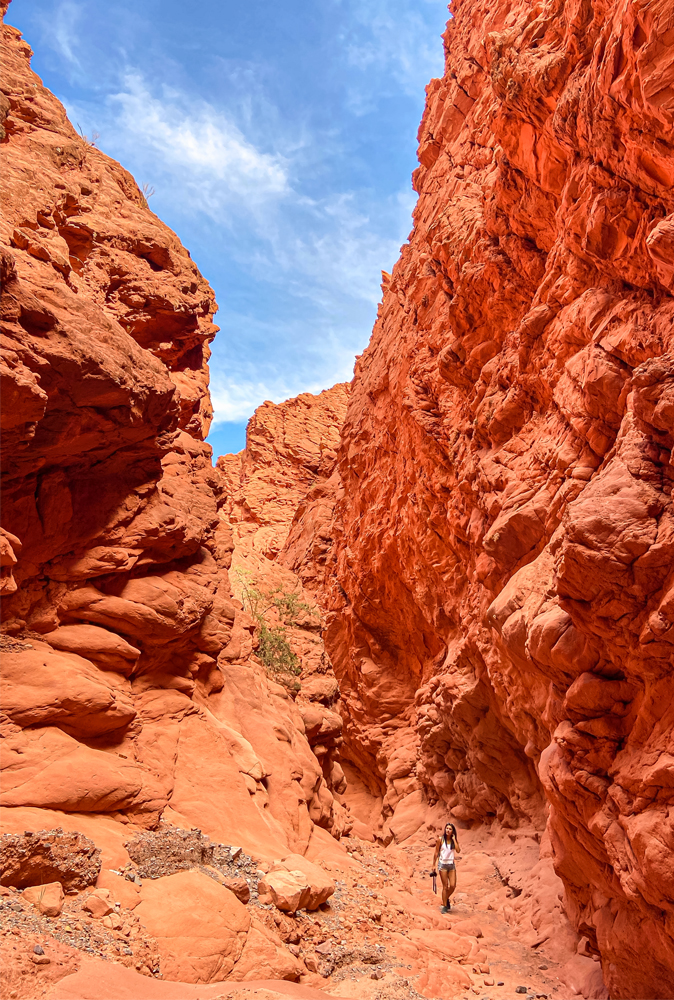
{"x": 289, "y": 459}
{"x": 129, "y": 691}
{"x": 503, "y": 611}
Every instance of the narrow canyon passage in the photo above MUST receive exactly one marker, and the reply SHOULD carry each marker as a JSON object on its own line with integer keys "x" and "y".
{"x": 240, "y": 700}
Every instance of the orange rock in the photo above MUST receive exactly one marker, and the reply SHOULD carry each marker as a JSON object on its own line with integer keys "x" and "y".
{"x": 199, "y": 925}
{"x": 48, "y": 898}
{"x": 499, "y": 591}
{"x": 68, "y": 859}
{"x": 319, "y": 885}
{"x": 43, "y": 686}
{"x": 113, "y": 546}
{"x": 97, "y": 980}
{"x": 98, "y": 903}
{"x": 264, "y": 954}
{"x": 239, "y": 887}
{"x": 286, "y": 889}
{"x": 121, "y": 889}
{"x": 104, "y": 648}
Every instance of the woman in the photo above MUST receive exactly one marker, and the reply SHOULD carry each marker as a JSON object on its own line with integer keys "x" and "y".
{"x": 446, "y": 847}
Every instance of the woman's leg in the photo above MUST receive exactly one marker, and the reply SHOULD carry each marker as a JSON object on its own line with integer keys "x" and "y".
{"x": 445, "y": 885}
{"x": 452, "y": 881}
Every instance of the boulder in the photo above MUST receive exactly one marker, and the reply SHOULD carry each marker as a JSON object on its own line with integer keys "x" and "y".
{"x": 265, "y": 955}
{"x": 48, "y": 899}
{"x": 285, "y": 888}
{"x": 319, "y": 885}
{"x": 199, "y": 925}
{"x": 98, "y": 903}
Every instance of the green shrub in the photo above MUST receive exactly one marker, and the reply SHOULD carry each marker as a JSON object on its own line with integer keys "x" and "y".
{"x": 274, "y": 650}
{"x": 278, "y": 658}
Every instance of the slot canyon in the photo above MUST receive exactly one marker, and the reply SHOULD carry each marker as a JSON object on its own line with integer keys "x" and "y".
{"x": 242, "y": 695}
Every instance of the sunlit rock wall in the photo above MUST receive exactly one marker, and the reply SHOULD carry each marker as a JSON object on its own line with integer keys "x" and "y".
{"x": 503, "y": 609}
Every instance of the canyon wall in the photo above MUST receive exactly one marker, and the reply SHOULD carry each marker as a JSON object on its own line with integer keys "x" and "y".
{"x": 290, "y": 455}
{"x": 131, "y": 689}
{"x": 502, "y": 580}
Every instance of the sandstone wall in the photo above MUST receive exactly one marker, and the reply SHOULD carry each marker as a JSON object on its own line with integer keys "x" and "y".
{"x": 289, "y": 458}
{"x": 503, "y": 609}
{"x": 129, "y": 692}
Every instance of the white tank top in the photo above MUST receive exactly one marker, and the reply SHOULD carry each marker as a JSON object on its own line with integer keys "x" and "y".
{"x": 446, "y": 854}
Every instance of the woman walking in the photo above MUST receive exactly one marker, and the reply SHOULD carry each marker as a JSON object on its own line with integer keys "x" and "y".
{"x": 446, "y": 847}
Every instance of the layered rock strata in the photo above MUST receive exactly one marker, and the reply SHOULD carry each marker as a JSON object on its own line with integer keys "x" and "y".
{"x": 129, "y": 691}
{"x": 502, "y": 613}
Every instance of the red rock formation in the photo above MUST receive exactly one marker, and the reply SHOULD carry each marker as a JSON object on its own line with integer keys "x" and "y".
{"x": 289, "y": 458}
{"x": 503, "y": 612}
{"x": 129, "y": 693}
{"x": 290, "y": 451}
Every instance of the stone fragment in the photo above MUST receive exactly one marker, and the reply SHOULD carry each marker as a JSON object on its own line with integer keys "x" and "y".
{"x": 48, "y": 898}
{"x": 98, "y": 903}
{"x": 239, "y": 887}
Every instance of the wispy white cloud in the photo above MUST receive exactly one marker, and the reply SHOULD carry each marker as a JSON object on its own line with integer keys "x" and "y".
{"x": 64, "y": 32}
{"x": 286, "y": 201}
{"x": 197, "y": 143}
{"x": 390, "y": 38}
{"x": 321, "y": 248}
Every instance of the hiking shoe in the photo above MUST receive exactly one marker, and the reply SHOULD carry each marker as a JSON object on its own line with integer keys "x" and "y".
{"x": 444, "y": 909}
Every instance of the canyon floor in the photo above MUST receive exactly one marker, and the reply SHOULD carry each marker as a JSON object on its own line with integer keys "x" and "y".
{"x": 380, "y": 937}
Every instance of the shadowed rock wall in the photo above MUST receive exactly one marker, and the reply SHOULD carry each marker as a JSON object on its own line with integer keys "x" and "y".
{"x": 503, "y": 608}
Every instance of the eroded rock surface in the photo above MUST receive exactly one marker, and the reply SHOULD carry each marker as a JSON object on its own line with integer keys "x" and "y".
{"x": 502, "y": 616}
{"x": 129, "y": 691}
{"x": 270, "y": 494}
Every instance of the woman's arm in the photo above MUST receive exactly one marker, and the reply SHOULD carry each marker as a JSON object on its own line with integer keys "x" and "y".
{"x": 436, "y": 854}
{"x": 456, "y": 841}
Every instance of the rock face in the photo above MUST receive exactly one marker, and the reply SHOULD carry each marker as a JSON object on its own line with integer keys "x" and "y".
{"x": 287, "y": 466}
{"x": 291, "y": 451}
{"x": 129, "y": 691}
{"x": 503, "y": 598}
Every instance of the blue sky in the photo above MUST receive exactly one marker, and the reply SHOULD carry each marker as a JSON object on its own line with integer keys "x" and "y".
{"x": 279, "y": 139}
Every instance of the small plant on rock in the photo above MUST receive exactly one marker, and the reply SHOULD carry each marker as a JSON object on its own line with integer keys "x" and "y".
{"x": 280, "y": 662}
{"x": 147, "y": 191}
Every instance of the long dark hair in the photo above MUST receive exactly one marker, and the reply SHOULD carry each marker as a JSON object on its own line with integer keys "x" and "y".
{"x": 452, "y": 838}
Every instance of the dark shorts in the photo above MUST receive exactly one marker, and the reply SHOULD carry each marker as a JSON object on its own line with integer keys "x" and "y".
{"x": 447, "y": 866}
